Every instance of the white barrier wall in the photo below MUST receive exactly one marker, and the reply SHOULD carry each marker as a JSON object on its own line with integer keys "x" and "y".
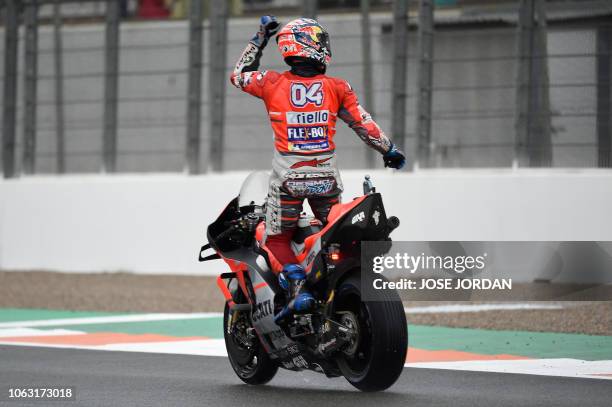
{"x": 156, "y": 223}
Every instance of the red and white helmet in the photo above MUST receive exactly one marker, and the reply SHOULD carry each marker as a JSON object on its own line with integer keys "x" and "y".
{"x": 306, "y": 38}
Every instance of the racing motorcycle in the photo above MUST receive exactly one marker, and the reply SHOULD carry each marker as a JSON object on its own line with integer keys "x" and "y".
{"x": 344, "y": 335}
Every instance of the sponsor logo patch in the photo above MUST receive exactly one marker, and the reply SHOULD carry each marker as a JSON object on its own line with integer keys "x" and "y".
{"x": 260, "y": 76}
{"x": 263, "y": 309}
{"x": 358, "y": 218}
{"x": 293, "y": 350}
{"x": 308, "y": 187}
{"x": 299, "y": 361}
{"x": 310, "y": 163}
{"x": 316, "y": 117}
{"x": 376, "y": 217}
{"x": 307, "y": 133}
{"x": 308, "y": 146}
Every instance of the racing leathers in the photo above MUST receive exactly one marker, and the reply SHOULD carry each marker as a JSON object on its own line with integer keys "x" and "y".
{"x": 303, "y": 106}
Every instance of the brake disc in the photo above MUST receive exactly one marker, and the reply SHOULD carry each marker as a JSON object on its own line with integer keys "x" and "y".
{"x": 240, "y": 330}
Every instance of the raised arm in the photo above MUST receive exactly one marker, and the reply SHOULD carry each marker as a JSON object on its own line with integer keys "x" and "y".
{"x": 249, "y": 59}
{"x": 366, "y": 128}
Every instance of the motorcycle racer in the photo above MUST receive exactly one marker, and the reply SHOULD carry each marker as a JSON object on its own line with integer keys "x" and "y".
{"x": 303, "y": 105}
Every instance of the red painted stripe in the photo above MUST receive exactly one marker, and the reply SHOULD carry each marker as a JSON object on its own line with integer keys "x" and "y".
{"x": 422, "y": 355}
{"x": 260, "y": 285}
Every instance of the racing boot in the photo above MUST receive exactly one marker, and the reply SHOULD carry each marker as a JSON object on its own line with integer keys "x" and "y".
{"x": 292, "y": 280}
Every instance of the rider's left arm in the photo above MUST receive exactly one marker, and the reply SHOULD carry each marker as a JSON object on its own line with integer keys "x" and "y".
{"x": 360, "y": 121}
{"x": 366, "y": 128}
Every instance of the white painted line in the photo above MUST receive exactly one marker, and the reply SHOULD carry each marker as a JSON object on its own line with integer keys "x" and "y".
{"x": 454, "y": 308}
{"x": 543, "y": 367}
{"x": 17, "y": 332}
{"x": 109, "y": 319}
{"x": 204, "y": 347}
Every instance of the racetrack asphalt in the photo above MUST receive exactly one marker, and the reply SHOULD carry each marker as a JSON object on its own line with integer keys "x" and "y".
{"x": 143, "y": 379}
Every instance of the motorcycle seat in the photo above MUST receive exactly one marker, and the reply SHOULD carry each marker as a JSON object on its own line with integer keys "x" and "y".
{"x": 307, "y": 225}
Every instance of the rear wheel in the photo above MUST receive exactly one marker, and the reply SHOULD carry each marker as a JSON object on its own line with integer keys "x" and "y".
{"x": 246, "y": 355}
{"x": 377, "y": 358}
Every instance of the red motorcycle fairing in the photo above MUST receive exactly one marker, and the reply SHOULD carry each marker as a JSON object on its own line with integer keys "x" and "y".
{"x": 311, "y": 243}
{"x": 251, "y": 266}
{"x": 260, "y": 234}
{"x": 238, "y": 268}
{"x": 259, "y": 286}
{"x": 255, "y": 279}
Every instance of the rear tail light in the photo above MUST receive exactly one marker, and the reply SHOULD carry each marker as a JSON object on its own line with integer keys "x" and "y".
{"x": 333, "y": 253}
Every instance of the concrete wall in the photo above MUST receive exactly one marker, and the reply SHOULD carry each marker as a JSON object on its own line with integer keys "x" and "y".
{"x": 156, "y": 223}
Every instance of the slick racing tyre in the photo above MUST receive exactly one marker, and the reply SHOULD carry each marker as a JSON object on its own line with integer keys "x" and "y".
{"x": 378, "y": 356}
{"x": 247, "y": 357}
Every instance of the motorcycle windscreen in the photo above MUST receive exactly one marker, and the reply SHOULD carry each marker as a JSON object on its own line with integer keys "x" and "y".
{"x": 254, "y": 189}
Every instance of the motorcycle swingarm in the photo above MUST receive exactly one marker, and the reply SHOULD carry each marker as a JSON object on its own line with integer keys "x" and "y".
{"x": 296, "y": 357}
{"x": 333, "y": 339}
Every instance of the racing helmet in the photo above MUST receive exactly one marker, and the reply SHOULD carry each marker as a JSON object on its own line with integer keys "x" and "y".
{"x": 305, "y": 38}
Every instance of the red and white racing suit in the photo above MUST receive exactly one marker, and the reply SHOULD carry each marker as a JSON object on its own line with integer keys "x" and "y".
{"x": 303, "y": 112}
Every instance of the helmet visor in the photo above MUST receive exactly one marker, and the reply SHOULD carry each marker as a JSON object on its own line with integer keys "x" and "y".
{"x": 323, "y": 38}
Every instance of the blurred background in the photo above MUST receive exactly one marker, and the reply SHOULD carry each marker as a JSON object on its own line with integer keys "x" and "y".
{"x": 142, "y": 85}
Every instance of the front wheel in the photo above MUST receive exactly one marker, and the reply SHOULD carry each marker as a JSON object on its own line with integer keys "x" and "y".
{"x": 378, "y": 357}
{"x": 247, "y": 357}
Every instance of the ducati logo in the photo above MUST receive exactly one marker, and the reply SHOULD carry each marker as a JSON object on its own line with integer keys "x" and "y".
{"x": 263, "y": 309}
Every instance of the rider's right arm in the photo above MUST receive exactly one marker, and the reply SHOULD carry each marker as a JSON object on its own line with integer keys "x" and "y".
{"x": 248, "y": 62}
{"x": 245, "y": 70}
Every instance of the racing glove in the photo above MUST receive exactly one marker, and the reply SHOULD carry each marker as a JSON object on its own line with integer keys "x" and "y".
{"x": 394, "y": 158}
{"x": 268, "y": 27}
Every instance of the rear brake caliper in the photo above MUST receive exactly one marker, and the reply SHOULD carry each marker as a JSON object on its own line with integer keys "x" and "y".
{"x": 302, "y": 326}
{"x": 349, "y": 332}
